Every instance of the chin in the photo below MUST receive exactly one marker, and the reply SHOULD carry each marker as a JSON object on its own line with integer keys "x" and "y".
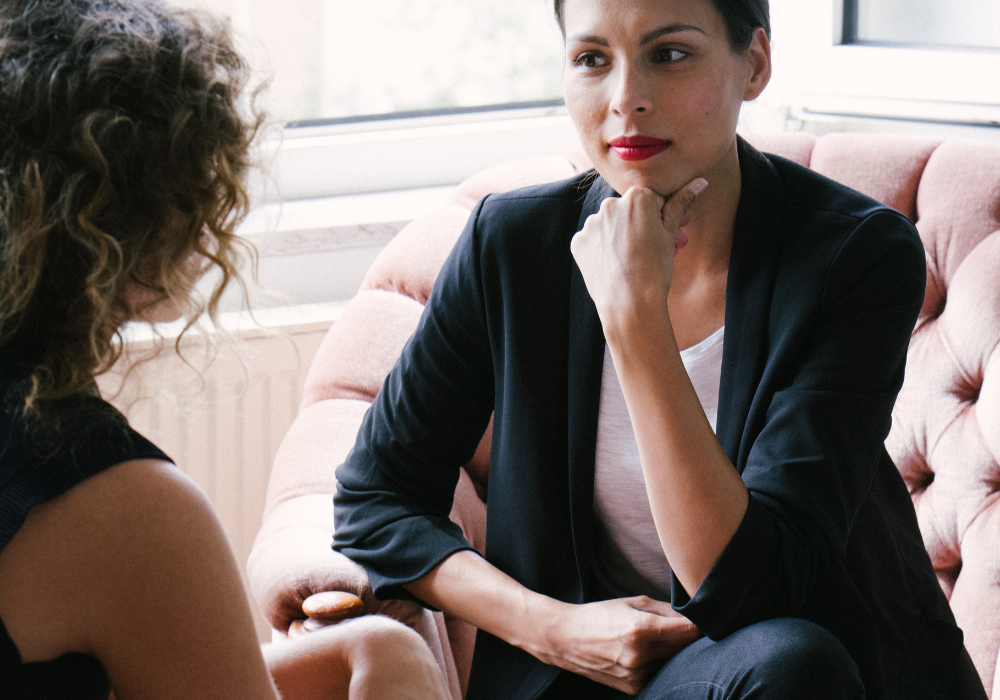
{"x": 622, "y": 181}
{"x": 622, "y": 176}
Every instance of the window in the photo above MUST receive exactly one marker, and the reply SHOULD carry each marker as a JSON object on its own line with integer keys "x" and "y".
{"x": 886, "y": 67}
{"x": 344, "y": 58}
{"x": 928, "y": 23}
{"x": 394, "y": 94}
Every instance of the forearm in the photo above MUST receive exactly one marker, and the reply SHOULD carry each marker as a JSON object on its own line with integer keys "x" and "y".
{"x": 696, "y": 495}
{"x": 467, "y": 586}
{"x": 614, "y": 642}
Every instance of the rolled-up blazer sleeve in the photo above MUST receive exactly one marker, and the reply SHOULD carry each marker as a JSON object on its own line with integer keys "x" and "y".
{"x": 396, "y": 487}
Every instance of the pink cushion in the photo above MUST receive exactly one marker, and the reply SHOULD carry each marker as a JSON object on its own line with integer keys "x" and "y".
{"x": 511, "y": 176}
{"x": 409, "y": 264}
{"x": 361, "y": 347}
{"x": 957, "y": 205}
{"x": 797, "y": 147}
{"x": 946, "y": 443}
{"x": 890, "y": 178}
{"x": 322, "y": 434}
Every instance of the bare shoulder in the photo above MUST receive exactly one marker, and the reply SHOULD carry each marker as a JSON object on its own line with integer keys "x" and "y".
{"x": 58, "y": 566}
{"x": 131, "y": 566}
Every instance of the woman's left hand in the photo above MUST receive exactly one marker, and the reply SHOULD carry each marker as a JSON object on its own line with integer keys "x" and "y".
{"x": 620, "y": 642}
{"x": 626, "y": 250}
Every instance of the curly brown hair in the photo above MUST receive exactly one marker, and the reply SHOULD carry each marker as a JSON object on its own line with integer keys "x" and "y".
{"x": 123, "y": 152}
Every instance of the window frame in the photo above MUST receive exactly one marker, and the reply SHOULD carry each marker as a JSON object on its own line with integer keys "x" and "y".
{"x": 823, "y": 75}
{"x": 402, "y": 153}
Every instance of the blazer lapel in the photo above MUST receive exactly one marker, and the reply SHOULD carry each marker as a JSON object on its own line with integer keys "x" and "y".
{"x": 753, "y": 266}
{"x": 586, "y": 362}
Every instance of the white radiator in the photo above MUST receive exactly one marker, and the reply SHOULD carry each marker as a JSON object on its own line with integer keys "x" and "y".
{"x": 223, "y": 427}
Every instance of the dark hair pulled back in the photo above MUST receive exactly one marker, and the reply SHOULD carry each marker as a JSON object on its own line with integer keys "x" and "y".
{"x": 742, "y": 17}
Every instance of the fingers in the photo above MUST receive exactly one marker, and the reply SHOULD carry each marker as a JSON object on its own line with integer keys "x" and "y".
{"x": 676, "y": 207}
{"x": 647, "y": 604}
{"x": 671, "y": 630}
{"x": 681, "y": 239}
{"x": 673, "y": 211}
{"x": 620, "y": 642}
{"x": 646, "y": 201}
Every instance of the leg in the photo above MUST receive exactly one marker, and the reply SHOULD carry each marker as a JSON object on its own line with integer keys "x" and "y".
{"x": 782, "y": 659}
{"x": 367, "y": 658}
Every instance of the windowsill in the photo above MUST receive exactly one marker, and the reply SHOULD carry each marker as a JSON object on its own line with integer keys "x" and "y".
{"x": 819, "y": 122}
{"x": 343, "y": 211}
{"x": 398, "y": 155}
{"x": 348, "y": 189}
{"x": 925, "y": 112}
{"x": 337, "y": 222}
{"x": 318, "y": 250}
{"x": 286, "y": 320}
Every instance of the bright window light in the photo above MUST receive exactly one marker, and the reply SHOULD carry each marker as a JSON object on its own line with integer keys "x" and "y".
{"x": 344, "y": 58}
{"x": 943, "y": 23}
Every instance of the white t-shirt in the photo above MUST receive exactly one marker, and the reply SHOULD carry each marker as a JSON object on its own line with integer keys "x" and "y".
{"x": 628, "y": 557}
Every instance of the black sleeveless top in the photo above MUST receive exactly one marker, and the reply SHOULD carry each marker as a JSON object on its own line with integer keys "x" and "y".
{"x": 83, "y": 436}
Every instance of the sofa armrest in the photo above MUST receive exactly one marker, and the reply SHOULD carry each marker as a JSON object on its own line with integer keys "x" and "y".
{"x": 291, "y": 560}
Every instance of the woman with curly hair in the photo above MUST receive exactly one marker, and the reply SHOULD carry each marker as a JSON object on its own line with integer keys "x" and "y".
{"x": 123, "y": 150}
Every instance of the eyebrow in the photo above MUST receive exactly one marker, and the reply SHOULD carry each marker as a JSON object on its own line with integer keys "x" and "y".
{"x": 646, "y": 38}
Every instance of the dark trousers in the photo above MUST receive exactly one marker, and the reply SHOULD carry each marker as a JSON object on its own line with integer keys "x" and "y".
{"x": 782, "y": 659}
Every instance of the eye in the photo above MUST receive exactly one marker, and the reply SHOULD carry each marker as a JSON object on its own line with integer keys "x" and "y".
{"x": 590, "y": 59}
{"x": 666, "y": 55}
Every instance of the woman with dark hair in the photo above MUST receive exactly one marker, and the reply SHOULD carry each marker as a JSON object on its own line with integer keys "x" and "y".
{"x": 691, "y": 356}
{"x": 123, "y": 149}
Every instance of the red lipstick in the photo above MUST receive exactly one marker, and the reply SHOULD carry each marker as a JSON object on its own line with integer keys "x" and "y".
{"x": 637, "y": 147}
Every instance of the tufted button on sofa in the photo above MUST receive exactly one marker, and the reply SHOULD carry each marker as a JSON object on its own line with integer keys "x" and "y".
{"x": 945, "y": 437}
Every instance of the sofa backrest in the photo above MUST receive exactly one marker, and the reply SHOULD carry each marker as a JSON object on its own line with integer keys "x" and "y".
{"x": 945, "y": 438}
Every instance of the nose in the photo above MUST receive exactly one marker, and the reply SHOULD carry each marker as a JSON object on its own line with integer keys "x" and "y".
{"x": 630, "y": 92}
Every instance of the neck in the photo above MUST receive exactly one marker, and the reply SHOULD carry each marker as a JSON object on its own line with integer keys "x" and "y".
{"x": 712, "y": 223}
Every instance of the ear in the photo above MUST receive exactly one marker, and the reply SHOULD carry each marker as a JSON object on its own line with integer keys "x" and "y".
{"x": 759, "y": 63}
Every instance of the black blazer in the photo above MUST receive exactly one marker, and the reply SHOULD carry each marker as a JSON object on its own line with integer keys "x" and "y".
{"x": 823, "y": 291}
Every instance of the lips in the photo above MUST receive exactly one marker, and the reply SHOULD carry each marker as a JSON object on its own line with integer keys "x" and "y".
{"x": 637, "y": 147}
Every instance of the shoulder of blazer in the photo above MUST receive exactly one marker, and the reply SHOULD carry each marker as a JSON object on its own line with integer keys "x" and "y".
{"x": 835, "y": 234}
{"x": 537, "y": 218}
{"x": 809, "y": 192}
{"x": 823, "y": 215}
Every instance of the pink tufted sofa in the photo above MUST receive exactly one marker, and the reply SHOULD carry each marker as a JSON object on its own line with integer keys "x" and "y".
{"x": 946, "y": 425}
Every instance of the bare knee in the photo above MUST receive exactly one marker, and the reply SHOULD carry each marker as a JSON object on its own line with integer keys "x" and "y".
{"x": 361, "y": 659}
